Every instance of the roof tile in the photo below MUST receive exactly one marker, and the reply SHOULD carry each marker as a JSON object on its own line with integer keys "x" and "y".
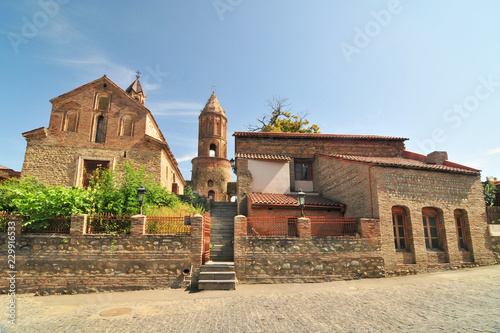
{"x": 315, "y": 136}
{"x": 263, "y": 157}
{"x": 276, "y": 199}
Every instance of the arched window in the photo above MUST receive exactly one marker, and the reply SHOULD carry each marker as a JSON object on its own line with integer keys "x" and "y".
{"x": 432, "y": 232}
{"x": 210, "y": 183}
{"x": 127, "y": 126}
{"x": 99, "y": 134}
{"x": 102, "y": 102}
{"x": 213, "y": 150}
{"x": 70, "y": 121}
{"x": 211, "y": 195}
{"x": 400, "y": 228}
{"x": 461, "y": 230}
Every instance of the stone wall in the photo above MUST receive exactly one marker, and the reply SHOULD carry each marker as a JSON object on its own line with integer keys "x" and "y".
{"x": 306, "y": 258}
{"x": 81, "y": 263}
{"x": 66, "y": 162}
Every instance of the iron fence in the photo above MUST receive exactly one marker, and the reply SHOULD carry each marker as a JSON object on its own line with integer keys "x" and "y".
{"x": 107, "y": 223}
{"x": 281, "y": 226}
{"x": 4, "y": 220}
{"x": 324, "y": 226}
{"x": 57, "y": 224}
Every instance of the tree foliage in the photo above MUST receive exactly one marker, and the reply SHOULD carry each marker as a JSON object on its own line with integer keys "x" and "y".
{"x": 282, "y": 119}
{"x": 109, "y": 192}
{"x": 489, "y": 190}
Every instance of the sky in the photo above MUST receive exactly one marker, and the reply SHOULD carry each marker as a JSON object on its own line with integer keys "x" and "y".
{"x": 424, "y": 70}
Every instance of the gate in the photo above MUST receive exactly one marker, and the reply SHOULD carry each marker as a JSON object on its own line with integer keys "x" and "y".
{"x": 206, "y": 237}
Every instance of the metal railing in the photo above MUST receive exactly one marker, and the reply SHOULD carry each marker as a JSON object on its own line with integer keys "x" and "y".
{"x": 324, "y": 226}
{"x": 4, "y": 219}
{"x": 107, "y": 223}
{"x": 281, "y": 226}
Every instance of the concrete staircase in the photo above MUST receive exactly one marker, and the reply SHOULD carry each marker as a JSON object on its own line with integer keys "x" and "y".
{"x": 217, "y": 276}
{"x": 222, "y": 231}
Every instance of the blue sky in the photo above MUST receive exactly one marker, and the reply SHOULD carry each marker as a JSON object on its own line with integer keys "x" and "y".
{"x": 425, "y": 70}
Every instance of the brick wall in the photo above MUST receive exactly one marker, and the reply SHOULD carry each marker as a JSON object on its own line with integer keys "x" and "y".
{"x": 81, "y": 263}
{"x": 365, "y": 187}
{"x": 210, "y": 168}
{"x": 307, "y": 259}
{"x": 347, "y": 183}
{"x": 308, "y": 147}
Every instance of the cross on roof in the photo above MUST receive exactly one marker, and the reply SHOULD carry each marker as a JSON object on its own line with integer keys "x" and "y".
{"x": 138, "y": 74}
{"x": 213, "y": 88}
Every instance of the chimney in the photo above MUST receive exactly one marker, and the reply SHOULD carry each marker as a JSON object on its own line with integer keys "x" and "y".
{"x": 437, "y": 157}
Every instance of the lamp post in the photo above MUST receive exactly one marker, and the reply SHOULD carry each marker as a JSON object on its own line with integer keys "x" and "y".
{"x": 301, "y": 198}
{"x": 141, "y": 191}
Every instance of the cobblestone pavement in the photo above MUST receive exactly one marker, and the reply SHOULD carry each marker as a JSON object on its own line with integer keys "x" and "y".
{"x": 456, "y": 301}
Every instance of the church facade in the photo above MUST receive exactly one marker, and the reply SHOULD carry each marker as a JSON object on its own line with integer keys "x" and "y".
{"x": 99, "y": 125}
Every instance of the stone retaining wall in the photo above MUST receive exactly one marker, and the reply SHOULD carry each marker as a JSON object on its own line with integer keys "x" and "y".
{"x": 306, "y": 258}
{"x": 80, "y": 263}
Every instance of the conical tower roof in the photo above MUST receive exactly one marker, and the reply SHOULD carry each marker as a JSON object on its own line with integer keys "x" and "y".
{"x": 136, "y": 87}
{"x": 213, "y": 106}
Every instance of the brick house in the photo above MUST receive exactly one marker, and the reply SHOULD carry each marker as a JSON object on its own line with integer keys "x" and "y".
{"x": 431, "y": 210}
{"x": 99, "y": 125}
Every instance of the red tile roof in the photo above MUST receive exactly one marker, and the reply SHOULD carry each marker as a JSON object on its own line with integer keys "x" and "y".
{"x": 276, "y": 199}
{"x": 409, "y": 160}
{"x": 280, "y": 135}
{"x": 263, "y": 157}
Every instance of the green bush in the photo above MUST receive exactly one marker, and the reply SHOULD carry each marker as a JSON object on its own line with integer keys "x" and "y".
{"x": 109, "y": 192}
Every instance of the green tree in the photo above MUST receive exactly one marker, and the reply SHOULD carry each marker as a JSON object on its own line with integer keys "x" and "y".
{"x": 282, "y": 119}
{"x": 489, "y": 190}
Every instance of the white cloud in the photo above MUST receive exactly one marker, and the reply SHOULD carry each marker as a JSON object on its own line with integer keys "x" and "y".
{"x": 186, "y": 158}
{"x": 493, "y": 151}
{"x": 175, "y": 108}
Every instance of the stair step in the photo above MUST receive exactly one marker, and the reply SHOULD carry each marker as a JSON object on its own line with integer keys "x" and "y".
{"x": 211, "y": 266}
{"x": 217, "y": 276}
{"x": 217, "y": 285}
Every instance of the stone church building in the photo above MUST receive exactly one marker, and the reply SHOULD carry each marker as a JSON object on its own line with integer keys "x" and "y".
{"x": 99, "y": 125}
{"x": 211, "y": 172}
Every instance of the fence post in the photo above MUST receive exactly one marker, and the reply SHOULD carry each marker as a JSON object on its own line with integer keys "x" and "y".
{"x": 369, "y": 228}
{"x": 304, "y": 227}
{"x": 19, "y": 223}
{"x": 138, "y": 225}
{"x": 240, "y": 233}
{"x": 78, "y": 224}
{"x": 196, "y": 248}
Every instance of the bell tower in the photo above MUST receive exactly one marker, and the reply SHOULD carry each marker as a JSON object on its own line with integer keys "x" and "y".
{"x": 211, "y": 169}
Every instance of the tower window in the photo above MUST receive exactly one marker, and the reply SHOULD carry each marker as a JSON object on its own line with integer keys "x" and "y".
{"x": 99, "y": 135}
{"x": 210, "y": 183}
{"x": 213, "y": 149}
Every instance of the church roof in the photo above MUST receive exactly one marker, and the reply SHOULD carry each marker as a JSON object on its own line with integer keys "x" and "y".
{"x": 213, "y": 106}
{"x": 136, "y": 87}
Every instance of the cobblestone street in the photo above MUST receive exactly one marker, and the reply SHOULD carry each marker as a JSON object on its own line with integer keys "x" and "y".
{"x": 456, "y": 301}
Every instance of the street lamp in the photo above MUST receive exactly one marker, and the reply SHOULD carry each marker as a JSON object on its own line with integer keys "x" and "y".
{"x": 141, "y": 191}
{"x": 301, "y": 198}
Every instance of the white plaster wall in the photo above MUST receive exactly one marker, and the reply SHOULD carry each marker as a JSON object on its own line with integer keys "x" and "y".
{"x": 270, "y": 176}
